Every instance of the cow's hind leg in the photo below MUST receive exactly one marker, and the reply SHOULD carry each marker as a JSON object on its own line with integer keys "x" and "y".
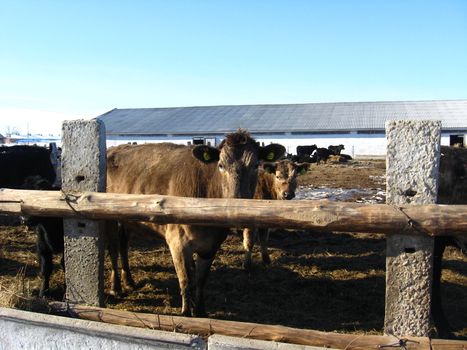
{"x": 45, "y": 260}
{"x": 127, "y": 279}
{"x": 249, "y": 237}
{"x": 263, "y": 234}
{"x": 113, "y": 248}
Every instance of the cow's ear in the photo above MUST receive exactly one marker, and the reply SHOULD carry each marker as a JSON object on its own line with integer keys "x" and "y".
{"x": 206, "y": 154}
{"x": 302, "y": 168}
{"x": 269, "y": 168}
{"x": 272, "y": 152}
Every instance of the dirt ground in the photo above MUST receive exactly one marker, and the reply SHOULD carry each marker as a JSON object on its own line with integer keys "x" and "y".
{"x": 329, "y": 282}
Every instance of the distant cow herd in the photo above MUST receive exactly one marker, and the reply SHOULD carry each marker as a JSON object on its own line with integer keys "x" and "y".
{"x": 315, "y": 154}
{"x": 237, "y": 168}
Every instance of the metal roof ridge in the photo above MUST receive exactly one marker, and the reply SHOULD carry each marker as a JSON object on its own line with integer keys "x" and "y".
{"x": 290, "y": 104}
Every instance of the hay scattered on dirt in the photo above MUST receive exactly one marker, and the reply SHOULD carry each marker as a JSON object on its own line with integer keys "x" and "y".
{"x": 17, "y": 294}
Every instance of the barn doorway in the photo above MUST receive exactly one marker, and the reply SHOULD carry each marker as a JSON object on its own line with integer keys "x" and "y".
{"x": 198, "y": 140}
{"x": 210, "y": 141}
{"x": 456, "y": 139}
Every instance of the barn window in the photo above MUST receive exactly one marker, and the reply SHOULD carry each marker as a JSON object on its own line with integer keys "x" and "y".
{"x": 456, "y": 139}
{"x": 198, "y": 141}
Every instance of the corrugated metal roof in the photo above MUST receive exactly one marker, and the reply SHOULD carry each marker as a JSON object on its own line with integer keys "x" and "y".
{"x": 309, "y": 117}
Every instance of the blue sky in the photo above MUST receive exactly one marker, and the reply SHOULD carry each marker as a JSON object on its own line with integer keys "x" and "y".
{"x": 78, "y": 59}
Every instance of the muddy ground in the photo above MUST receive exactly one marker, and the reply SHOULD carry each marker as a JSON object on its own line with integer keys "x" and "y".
{"x": 329, "y": 282}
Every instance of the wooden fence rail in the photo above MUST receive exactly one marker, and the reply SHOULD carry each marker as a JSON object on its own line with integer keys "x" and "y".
{"x": 322, "y": 215}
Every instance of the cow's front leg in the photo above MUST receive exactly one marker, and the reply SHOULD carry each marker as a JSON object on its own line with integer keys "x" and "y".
{"x": 249, "y": 237}
{"x": 203, "y": 266}
{"x": 182, "y": 257}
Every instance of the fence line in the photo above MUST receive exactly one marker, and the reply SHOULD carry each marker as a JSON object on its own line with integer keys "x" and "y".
{"x": 322, "y": 215}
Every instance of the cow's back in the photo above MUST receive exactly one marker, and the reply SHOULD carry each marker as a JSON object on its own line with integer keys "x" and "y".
{"x": 162, "y": 168}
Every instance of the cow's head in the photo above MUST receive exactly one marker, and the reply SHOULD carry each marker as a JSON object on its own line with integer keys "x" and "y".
{"x": 238, "y": 158}
{"x": 285, "y": 177}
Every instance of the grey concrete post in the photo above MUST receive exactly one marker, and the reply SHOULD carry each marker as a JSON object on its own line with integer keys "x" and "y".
{"x": 84, "y": 169}
{"x": 412, "y": 168}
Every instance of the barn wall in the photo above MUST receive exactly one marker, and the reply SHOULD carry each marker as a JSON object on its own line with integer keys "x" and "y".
{"x": 118, "y": 140}
{"x": 355, "y": 144}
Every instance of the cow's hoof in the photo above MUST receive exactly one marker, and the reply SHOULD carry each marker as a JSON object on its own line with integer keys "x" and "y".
{"x": 186, "y": 313}
{"x": 128, "y": 289}
{"x": 200, "y": 313}
{"x": 129, "y": 286}
{"x": 115, "y": 293}
{"x": 266, "y": 260}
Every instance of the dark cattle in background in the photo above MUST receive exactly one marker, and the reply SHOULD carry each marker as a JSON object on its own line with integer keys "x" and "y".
{"x": 452, "y": 190}
{"x": 306, "y": 150}
{"x": 336, "y": 150}
{"x": 346, "y": 156}
{"x": 275, "y": 181}
{"x": 20, "y": 162}
{"x": 229, "y": 171}
{"x": 301, "y": 159}
{"x": 322, "y": 154}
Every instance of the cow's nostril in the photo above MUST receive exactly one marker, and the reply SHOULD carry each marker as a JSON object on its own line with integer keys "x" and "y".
{"x": 288, "y": 195}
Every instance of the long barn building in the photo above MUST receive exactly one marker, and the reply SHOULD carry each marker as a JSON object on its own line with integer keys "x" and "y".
{"x": 359, "y": 126}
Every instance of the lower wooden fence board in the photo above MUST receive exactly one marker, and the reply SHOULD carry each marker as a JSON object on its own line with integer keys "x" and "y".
{"x": 206, "y": 327}
{"x": 445, "y": 344}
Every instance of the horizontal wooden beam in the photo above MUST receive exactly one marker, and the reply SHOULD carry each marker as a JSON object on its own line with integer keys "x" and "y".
{"x": 321, "y": 215}
{"x": 207, "y": 327}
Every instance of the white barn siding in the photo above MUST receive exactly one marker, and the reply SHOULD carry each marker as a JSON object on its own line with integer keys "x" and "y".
{"x": 355, "y": 144}
{"x": 119, "y": 140}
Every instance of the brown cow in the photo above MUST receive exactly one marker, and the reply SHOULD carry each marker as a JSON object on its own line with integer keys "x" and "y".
{"x": 229, "y": 171}
{"x": 275, "y": 181}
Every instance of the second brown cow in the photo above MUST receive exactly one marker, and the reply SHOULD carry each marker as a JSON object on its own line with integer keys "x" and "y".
{"x": 275, "y": 181}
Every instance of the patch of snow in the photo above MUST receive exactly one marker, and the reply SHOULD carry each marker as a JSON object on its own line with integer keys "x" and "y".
{"x": 370, "y": 195}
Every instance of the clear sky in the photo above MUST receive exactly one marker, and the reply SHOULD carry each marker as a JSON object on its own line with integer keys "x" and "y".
{"x": 78, "y": 59}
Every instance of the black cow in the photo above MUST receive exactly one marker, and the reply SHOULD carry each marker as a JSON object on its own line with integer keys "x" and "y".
{"x": 322, "y": 154}
{"x": 452, "y": 190}
{"x": 30, "y": 167}
{"x": 336, "y": 150}
{"x": 306, "y": 150}
{"x": 20, "y": 162}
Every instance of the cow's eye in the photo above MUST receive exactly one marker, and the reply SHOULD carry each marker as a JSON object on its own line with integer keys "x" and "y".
{"x": 221, "y": 168}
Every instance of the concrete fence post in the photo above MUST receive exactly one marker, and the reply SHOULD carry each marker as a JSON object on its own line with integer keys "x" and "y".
{"x": 413, "y": 153}
{"x": 84, "y": 169}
